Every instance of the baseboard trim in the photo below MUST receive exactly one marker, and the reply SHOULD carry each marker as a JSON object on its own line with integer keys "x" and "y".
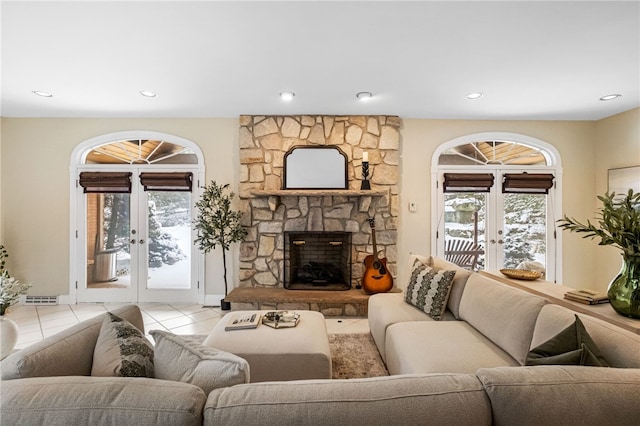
{"x": 213, "y": 299}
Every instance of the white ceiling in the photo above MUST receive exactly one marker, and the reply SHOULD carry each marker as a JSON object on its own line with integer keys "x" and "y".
{"x": 532, "y": 60}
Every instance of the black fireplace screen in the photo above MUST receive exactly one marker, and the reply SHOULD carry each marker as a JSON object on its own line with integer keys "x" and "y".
{"x": 317, "y": 260}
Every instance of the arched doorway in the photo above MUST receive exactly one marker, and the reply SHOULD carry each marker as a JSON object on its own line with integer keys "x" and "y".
{"x": 497, "y": 198}
{"x": 132, "y": 198}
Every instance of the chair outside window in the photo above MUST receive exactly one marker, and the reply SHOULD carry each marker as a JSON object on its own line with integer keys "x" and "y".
{"x": 463, "y": 253}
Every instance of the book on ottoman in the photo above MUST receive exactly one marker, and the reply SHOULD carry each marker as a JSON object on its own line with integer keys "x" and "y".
{"x": 242, "y": 321}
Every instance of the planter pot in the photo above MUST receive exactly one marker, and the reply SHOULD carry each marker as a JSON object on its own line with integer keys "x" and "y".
{"x": 8, "y": 336}
{"x": 624, "y": 290}
{"x": 224, "y": 305}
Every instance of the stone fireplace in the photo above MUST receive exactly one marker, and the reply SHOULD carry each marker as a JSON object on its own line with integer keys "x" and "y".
{"x": 272, "y": 213}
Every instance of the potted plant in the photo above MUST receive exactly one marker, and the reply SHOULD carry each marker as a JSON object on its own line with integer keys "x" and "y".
{"x": 217, "y": 224}
{"x": 618, "y": 225}
{"x": 10, "y": 291}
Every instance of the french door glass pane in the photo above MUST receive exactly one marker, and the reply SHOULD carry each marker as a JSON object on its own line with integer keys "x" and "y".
{"x": 169, "y": 237}
{"x": 464, "y": 229}
{"x": 108, "y": 250}
{"x": 525, "y": 229}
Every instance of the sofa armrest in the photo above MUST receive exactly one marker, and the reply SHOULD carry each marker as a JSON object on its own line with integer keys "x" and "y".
{"x": 570, "y": 395}
{"x": 68, "y": 353}
{"x": 100, "y": 401}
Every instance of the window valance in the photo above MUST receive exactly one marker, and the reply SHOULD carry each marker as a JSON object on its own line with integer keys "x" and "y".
{"x": 527, "y": 183}
{"x": 468, "y": 182}
{"x": 96, "y": 182}
{"x": 179, "y": 181}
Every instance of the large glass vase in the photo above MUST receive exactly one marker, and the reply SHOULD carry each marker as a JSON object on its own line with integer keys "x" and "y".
{"x": 624, "y": 290}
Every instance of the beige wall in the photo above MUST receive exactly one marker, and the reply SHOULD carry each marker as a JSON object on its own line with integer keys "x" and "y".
{"x": 575, "y": 141}
{"x": 617, "y": 145}
{"x": 35, "y": 160}
{"x": 36, "y": 154}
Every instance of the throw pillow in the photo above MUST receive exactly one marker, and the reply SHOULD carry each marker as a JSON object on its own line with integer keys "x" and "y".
{"x": 429, "y": 289}
{"x": 186, "y": 359}
{"x": 572, "y": 346}
{"x": 121, "y": 350}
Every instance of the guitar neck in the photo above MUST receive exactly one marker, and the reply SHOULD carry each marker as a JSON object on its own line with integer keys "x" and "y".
{"x": 373, "y": 241}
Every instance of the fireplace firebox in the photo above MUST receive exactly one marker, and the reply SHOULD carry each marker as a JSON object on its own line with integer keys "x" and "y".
{"x": 317, "y": 260}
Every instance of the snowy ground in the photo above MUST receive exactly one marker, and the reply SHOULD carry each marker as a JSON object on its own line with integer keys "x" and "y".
{"x": 176, "y": 276}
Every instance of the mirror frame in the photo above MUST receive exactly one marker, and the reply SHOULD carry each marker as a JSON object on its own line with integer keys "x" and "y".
{"x": 319, "y": 184}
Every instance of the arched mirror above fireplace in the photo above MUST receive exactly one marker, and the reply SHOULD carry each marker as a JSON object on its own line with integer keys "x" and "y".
{"x": 315, "y": 167}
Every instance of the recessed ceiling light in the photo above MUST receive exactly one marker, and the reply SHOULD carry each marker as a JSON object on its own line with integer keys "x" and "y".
{"x": 147, "y": 94}
{"x": 610, "y": 97}
{"x": 364, "y": 96}
{"x": 287, "y": 96}
{"x": 43, "y": 94}
{"x": 475, "y": 95}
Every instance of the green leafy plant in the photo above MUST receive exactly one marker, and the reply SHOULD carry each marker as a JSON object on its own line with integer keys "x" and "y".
{"x": 217, "y": 224}
{"x": 10, "y": 288}
{"x": 618, "y": 223}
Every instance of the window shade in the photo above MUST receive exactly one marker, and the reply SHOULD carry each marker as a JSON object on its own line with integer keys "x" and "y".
{"x": 92, "y": 182}
{"x": 167, "y": 181}
{"x": 527, "y": 183}
{"x": 468, "y": 182}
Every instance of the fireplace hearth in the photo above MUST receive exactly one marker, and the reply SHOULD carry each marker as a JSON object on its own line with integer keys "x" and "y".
{"x": 317, "y": 260}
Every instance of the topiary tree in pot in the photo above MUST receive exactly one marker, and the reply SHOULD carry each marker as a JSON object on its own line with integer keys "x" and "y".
{"x": 217, "y": 224}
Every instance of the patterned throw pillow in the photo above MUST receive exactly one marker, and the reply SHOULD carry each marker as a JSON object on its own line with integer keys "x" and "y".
{"x": 429, "y": 289}
{"x": 121, "y": 350}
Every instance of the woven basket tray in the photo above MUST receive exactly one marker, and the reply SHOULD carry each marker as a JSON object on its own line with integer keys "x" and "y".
{"x": 521, "y": 274}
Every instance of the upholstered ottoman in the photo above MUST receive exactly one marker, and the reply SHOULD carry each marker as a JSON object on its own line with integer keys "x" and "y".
{"x": 300, "y": 352}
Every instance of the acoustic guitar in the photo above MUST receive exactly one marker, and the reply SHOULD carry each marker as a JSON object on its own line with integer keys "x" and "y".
{"x": 377, "y": 278}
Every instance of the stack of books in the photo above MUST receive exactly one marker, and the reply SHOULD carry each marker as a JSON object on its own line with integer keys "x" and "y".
{"x": 588, "y": 297}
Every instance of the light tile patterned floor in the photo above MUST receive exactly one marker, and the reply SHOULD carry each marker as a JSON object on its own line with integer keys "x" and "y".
{"x": 38, "y": 322}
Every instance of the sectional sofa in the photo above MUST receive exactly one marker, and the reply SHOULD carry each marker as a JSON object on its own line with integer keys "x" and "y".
{"x": 466, "y": 369}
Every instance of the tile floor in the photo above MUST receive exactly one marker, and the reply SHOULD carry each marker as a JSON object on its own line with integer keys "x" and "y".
{"x": 38, "y": 322}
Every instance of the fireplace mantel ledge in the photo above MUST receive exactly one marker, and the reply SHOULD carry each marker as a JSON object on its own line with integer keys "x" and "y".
{"x": 316, "y": 192}
{"x": 275, "y": 194}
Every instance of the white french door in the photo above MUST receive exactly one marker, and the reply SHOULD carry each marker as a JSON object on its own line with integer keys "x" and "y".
{"x": 497, "y": 229}
{"x": 137, "y": 244}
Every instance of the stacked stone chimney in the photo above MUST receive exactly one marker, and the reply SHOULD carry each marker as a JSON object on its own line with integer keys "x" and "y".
{"x": 264, "y": 141}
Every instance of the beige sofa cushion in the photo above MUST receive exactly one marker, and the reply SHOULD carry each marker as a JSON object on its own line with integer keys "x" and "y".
{"x": 440, "y": 347}
{"x": 619, "y": 347}
{"x": 446, "y": 399}
{"x": 186, "y": 359}
{"x": 390, "y": 308}
{"x": 503, "y": 314}
{"x": 68, "y": 353}
{"x": 563, "y": 395}
{"x": 100, "y": 401}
